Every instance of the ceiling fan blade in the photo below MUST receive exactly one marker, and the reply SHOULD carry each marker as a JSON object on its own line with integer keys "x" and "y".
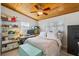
{"x": 45, "y": 13}
{"x": 37, "y": 6}
{"x": 38, "y": 15}
{"x": 33, "y": 11}
{"x": 46, "y": 9}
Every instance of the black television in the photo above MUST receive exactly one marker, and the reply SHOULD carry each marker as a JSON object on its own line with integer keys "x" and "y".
{"x": 31, "y": 32}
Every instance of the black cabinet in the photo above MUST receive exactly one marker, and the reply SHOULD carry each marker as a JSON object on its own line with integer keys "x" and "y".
{"x": 73, "y": 39}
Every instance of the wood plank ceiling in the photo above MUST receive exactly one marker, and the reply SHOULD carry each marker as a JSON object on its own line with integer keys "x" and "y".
{"x": 26, "y": 8}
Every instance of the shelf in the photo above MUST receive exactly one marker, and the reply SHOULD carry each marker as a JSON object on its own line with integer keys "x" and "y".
{"x": 9, "y": 49}
{"x": 8, "y": 21}
{"x": 9, "y": 41}
{"x": 9, "y": 44}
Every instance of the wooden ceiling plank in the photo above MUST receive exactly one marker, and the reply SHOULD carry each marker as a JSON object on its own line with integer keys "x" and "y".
{"x": 66, "y": 8}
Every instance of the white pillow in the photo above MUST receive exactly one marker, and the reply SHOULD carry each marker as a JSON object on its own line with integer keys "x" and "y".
{"x": 42, "y": 35}
{"x": 59, "y": 35}
{"x": 51, "y": 35}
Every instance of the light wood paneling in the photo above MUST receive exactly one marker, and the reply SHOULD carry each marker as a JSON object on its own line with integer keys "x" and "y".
{"x": 26, "y": 8}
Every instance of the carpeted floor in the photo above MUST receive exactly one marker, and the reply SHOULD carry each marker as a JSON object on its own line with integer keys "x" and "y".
{"x": 15, "y": 53}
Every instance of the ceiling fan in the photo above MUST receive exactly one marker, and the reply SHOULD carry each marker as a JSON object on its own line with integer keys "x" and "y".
{"x": 41, "y": 10}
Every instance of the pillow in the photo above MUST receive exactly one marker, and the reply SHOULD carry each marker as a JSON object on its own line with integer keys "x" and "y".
{"x": 60, "y": 35}
{"x": 42, "y": 35}
{"x": 51, "y": 35}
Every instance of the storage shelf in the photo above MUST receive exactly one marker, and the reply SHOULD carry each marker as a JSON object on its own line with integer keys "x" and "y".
{"x": 9, "y": 44}
{"x": 9, "y": 49}
{"x": 9, "y": 41}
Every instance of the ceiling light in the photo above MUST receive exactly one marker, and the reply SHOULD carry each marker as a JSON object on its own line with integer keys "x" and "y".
{"x": 40, "y": 12}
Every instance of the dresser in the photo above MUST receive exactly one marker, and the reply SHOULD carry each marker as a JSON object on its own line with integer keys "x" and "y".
{"x": 73, "y": 40}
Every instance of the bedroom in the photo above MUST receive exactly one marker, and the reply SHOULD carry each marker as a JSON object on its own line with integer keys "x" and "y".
{"x": 43, "y": 26}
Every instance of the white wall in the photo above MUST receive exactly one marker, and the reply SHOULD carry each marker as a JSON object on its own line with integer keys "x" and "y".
{"x": 20, "y": 17}
{"x": 69, "y": 19}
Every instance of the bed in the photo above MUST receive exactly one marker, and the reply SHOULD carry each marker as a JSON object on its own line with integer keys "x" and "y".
{"x": 50, "y": 47}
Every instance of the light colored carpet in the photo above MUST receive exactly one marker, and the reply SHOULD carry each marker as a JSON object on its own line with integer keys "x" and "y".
{"x": 15, "y": 53}
{"x": 11, "y": 53}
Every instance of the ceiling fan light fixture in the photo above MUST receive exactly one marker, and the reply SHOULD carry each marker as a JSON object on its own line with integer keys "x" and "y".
{"x": 40, "y": 12}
